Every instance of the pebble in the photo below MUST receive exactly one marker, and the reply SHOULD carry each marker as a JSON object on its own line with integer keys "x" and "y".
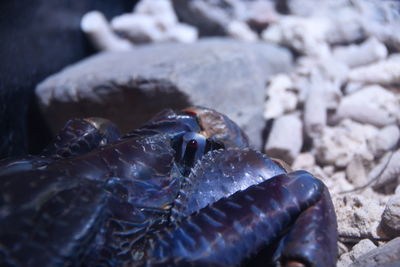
{"x": 371, "y": 105}
{"x": 390, "y": 223}
{"x": 286, "y": 138}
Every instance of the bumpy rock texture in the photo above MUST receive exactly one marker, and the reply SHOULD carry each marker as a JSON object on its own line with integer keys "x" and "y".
{"x": 130, "y": 87}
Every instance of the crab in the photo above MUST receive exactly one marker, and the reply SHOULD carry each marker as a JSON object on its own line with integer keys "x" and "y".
{"x": 184, "y": 189}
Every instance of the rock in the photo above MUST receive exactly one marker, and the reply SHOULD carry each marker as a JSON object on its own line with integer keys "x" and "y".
{"x": 315, "y": 109}
{"x": 358, "y": 214}
{"x": 138, "y": 28}
{"x": 386, "y": 173}
{"x": 342, "y": 248}
{"x": 355, "y": 172}
{"x": 346, "y": 26}
{"x": 304, "y": 161}
{"x": 307, "y": 8}
{"x": 359, "y": 249}
{"x": 386, "y": 139}
{"x": 368, "y": 52}
{"x": 181, "y": 33}
{"x": 390, "y": 223}
{"x": 384, "y": 73}
{"x": 210, "y": 17}
{"x": 384, "y": 31}
{"x": 286, "y": 138}
{"x": 386, "y": 255}
{"x": 260, "y": 14}
{"x": 129, "y": 88}
{"x": 96, "y": 27}
{"x": 153, "y": 21}
{"x": 352, "y": 87}
{"x": 338, "y": 145}
{"x": 372, "y": 105}
{"x": 161, "y": 10}
{"x": 305, "y": 35}
{"x": 241, "y": 31}
{"x": 280, "y": 97}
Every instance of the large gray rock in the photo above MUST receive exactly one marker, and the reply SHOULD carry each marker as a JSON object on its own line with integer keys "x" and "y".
{"x": 386, "y": 255}
{"x": 130, "y": 87}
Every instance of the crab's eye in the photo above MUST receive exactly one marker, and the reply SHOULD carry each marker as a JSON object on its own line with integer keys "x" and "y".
{"x": 193, "y": 148}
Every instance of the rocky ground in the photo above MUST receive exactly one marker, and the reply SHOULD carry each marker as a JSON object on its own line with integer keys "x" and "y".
{"x": 316, "y": 83}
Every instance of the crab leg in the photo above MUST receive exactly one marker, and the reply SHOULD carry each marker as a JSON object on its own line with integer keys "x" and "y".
{"x": 80, "y": 136}
{"x": 232, "y": 229}
{"x": 312, "y": 239}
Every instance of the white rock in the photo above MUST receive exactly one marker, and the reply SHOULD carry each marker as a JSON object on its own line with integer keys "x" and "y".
{"x": 346, "y": 26}
{"x": 368, "y": 52}
{"x": 241, "y": 31}
{"x": 305, "y": 35}
{"x": 391, "y": 217}
{"x": 386, "y": 139}
{"x": 386, "y": 32}
{"x": 384, "y": 72}
{"x": 161, "y": 10}
{"x": 337, "y": 182}
{"x": 261, "y": 13}
{"x": 355, "y": 171}
{"x": 352, "y": 87}
{"x": 358, "y": 250}
{"x": 373, "y": 105}
{"x": 138, "y": 28}
{"x": 96, "y": 27}
{"x": 286, "y": 138}
{"x": 280, "y": 97}
{"x": 326, "y": 73}
{"x": 182, "y": 33}
{"x": 339, "y": 144}
{"x": 386, "y": 173}
{"x": 358, "y": 214}
{"x": 304, "y": 161}
{"x": 315, "y": 110}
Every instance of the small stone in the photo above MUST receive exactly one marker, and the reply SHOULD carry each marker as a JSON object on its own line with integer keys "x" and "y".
{"x": 368, "y": 52}
{"x": 355, "y": 172}
{"x": 358, "y": 214}
{"x": 161, "y": 10}
{"x": 138, "y": 28}
{"x": 315, "y": 110}
{"x": 99, "y": 32}
{"x": 182, "y": 33}
{"x": 384, "y": 73}
{"x": 386, "y": 173}
{"x": 338, "y": 145}
{"x": 261, "y": 13}
{"x": 386, "y": 255}
{"x": 359, "y": 249}
{"x": 280, "y": 97}
{"x": 241, "y": 31}
{"x": 210, "y": 17}
{"x": 305, "y": 35}
{"x": 390, "y": 223}
{"x": 386, "y": 139}
{"x": 372, "y": 105}
{"x": 304, "y": 161}
{"x": 342, "y": 248}
{"x": 286, "y": 138}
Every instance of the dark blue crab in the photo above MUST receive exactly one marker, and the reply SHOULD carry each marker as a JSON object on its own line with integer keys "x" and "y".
{"x": 183, "y": 189}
